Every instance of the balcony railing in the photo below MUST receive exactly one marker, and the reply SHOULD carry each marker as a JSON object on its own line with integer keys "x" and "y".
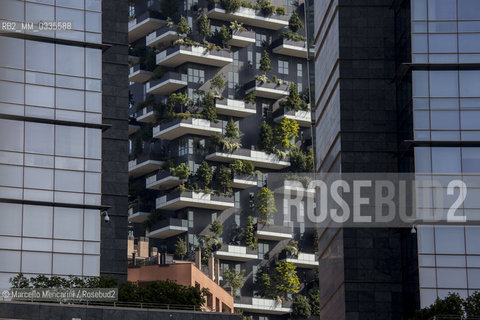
{"x": 180, "y": 54}
{"x": 164, "y": 36}
{"x": 235, "y": 108}
{"x": 303, "y": 117}
{"x": 180, "y": 200}
{"x": 163, "y": 180}
{"x": 244, "y": 181}
{"x": 168, "y": 83}
{"x": 249, "y": 16}
{"x": 168, "y": 228}
{"x": 273, "y": 232}
{"x": 301, "y": 260}
{"x": 236, "y": 253}
{"x": 138, "y": 73}
{"x": 260, "y": 305}
{"x": 138, "y": 213}
{"x": 143, "y": 165}
{"x": 180, "y": 127}
{"x": 269, "y": 90}
{"x": 258, "y": 158}
{"x": 146, "y": 115}
{"x": 143, "y": 24}
{"x": 292, "y": 48}
{"x": 242, "y": 38}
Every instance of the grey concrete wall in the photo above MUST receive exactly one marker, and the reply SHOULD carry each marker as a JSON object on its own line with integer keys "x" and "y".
{"x": 113, "y": 259}
{"x": 42, "y": 311}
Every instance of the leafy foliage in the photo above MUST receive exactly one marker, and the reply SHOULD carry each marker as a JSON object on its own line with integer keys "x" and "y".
{"x": 231, "y": 6}
{"x": 293, "y": 101}
{"x": 236, "y": 26}
{"x": 249, "y": 98}
{"x": 203, "y": 24}
{"x": 293, "y": 36}
{"x": 249, "y": 234}
{"x": 182, "y": 171}
{"x": 157, "y": 73}
{"x": 265, "y": 62}
{"x": 242, "y": 167}
{"x": 218, "y": 84}
{"x": 314, "y": 300}
{"x": 231, "y": 130}
{"x": 281, "y": 11}
{"x": 267, "y": 139}
{"x": 209, "y": 109}
{"x": 450, "y": 305}
{"x": 216, "y": 227}
{"x": 287, "y": 131}
{"x": 223, "y": 34}
{"x": 180, "y": 248}
{"x": 265, "y": 285}
{"x": 234, "y": 279}
{"x": 266, "y": 7}
{"x": 301, "y": 161}
{"x": 301, "y": 308}
{"x": 205, "y": 174}
{"x": 224, "y": 178}
{"x": 286, "y": 278}
{"x": 265, "y": 205}
{"x": 292, "y": 247}
{"x": 183, "y": 28}
{"x": 295, "y": 23}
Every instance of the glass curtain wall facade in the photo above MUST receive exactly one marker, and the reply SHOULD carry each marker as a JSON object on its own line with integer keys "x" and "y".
{"x": 446, "y": 111}
{"x": 51, "y": 148}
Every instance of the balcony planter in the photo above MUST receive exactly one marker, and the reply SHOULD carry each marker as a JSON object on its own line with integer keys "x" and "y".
{"x": 235, "y": 108}
{"x": 168, "y": 83}
{"x": 180, "y": 54}
{"x": 269, "y": 90}
{"x": 242, "y": 38}
{"x": 180, "y": 200}
{"x": 162, "y": 180}
{"x": 143, "y": 24}
{"x": 258, "y": 158}
{"x": 180, "y": 127}
{"x": 303, "y": 117}
{"x": 164, "y": 36}
{"x": 138, "y": 73}
{"x": 292, "y": 48}
{"x": 168, "y": 228}
{"x": 249, "y": 17}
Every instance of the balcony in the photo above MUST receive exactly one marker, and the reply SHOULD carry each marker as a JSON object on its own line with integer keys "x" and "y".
{"x": 236, "y": 253}
{"x": 258, "y": 158}
{"x": 180, "y": 54}
{"x": 235, "y": 108}
{"x": 242, "y": 38}
{"x": 303, "y": 260}
{"x": 138, "y": 213}
{"x": 143, "y": 165}
{"x": 269, "y": 90}
{"x": 139, "y": 74}
{"x": 180, "y": 200}
{"x": 249, "y": 17}
{"x": 180, "y": 127}
{"x": 132, "y": 128}
{"x": 168, "y": 228}
{"x": 274, "y": 233}
{"x": 168, "y": 83}
{"x": 244, "y": 181}
{"x": 144, "y": 24}
{"x": 293, "y": 187}
{"x": 263, "y": 306}
{"x": 162, "y": 181}
{"x": 162, "y": 37}
{"x": 146, "y": 115}
{"x": 292, "y": 48}
{"x": 303, "y": 118}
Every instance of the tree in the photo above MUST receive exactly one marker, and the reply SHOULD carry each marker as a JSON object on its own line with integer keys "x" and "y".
{"x": 234, "y": 279}
{"x": 218, "y": 84}
{"x": 205, "y": 174}
{"x": 287, "y": 131}
{"x": 182, "y": 171}
{"x": 314, "y": 300}
{"x": 295, "y": 23}
{"x": 209, "y": 110}
{"x": 286, "y": 278}
{"x": 293, "y": 101}
{"x": 231, "y": 5}
{"x": 183, "y": 28}
{"x": 265, "y": 286}
{"x": 266, "y": 137}
{"x": 225, "y": 179}
{"x": 301, "y": 161}
{"x": 472, "y": 305}
{"x": 265, "y": 205}
{"x": 266, "y": 6}
{"x": 249, "y": 235}
{"x": 180, "y": 248}
{"x": 223, "y": 34}
{"x": 451, "y": 305}
{"x": 301, "y": 309}
{"x": 265, "y": 62}
{"x": 203, "y": 24}
{"x": 216, "y": 227}
{"x": 231, "y": 130}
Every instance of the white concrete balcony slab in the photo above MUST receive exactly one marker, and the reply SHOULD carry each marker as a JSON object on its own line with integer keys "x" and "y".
{"x": 244, "y": 181}
{"x": 242, "y": 38}
{"x": 258, "y": 158}
{"x": 249, "y": 17}
{"x": 303, "y": 118}
{"x": 139, "y": 74}
{"x": 180, "y": 54}
{"x": 235, "y": 108}
{"x": 168, "y": 83}
{"x": 292, "y": 48}
{"x": 180, "y": 127}
{"x": 144, "y": 24}
{"x": 168, "y": 228}
{"x": 132, "y": 128}
{"x": 269, "y": 90}
{"x": 162, "y": 181}
{"x": 143, "y": 165}
{"x": 138, "y": 214}
{"x": 180, "y": 200}
{"x": 146, "y": 115}
{"x": 162, "y": 37}
{"x": 236, "y": 253}
{"x": 273, "y": 232}
{"x": 304, "y": 260}
{"x": 263, "y": 306}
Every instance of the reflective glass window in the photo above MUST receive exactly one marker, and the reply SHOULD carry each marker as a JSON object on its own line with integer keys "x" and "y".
{"x": 10, "y": 219}
{"x": 468, "y": 10}
{"x": 69, "y": 181}
{"x": 40, "y": 56}
{"x": 67, "y": 264}
{"x": 446, "y": 160}
{"x": 67, "y": 54}
{"x": 449, "y": 240}
{"x": 38, "y": 178}
{"x": 444, "y": 83}
{"x": 69, "y": 141}
{"x": 14, "y": 131}
{"x": 37, "y": 221}
{"x": 442, "y": 10}
{"x": 68, "y": 223}
{"x": 36, "y": 262}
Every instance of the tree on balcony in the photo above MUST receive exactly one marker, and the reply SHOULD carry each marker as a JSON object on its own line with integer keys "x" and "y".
{"x": 293, "y": 101}
{"x": 182, "y": 171}
{"x": 204, "y": 175}
{"x": 183, "y": 28}
{"x": 234, "y": 279}
{"x": 267, "y": 140}
{"x": 295, "y": 23}
{"x": 291, "y": 248}
{"x": 180, "y": 248}
{"x": 264, "y": 284}
{"x": 314, "y": 300}
{"x": 265, "y": 206}
{"x": 265, "y": 62}
{"x": 216, "y": 228}
{"x": 231, "y": 130}
{"x": 301, "y": 308}
{"x": 249, "y": 234}
{"x": 231, "y": 6}
{"x": 203, "y": 24}
{"x": 286, "y": 279}
{"x": 301, "y": 161}
{"x": 287, "y": 132}
{"x": 209, "y": 110}
{"x": 242, "y": 167}
{"x": 224, "y": 179}
{"x": 218, "y": 84}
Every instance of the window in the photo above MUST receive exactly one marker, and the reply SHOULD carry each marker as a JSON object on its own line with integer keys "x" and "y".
{"x": 196, "y": 76}
{"x": 75, "y": 16}
{"x": 299, "y": 70}
{"x": 69, "y": 141}
{"x": 190, "y": 219}
{"x": 37, "y": 221}
{"x": 70, "y": 99}
{"x": 446, "y": 160}
{"x": 68, "y": 223}
{"x": 468, "y": 10}
{"x": 263, "y": 249}
{"x": 40, "y": 56}
{"x": 11, "y": 92}
{"x": 94, "y": 63}
{"x": 235, "y": 58}
{"x": 38, "y": 178}
{"x": 93, "y": 139}
{"x": 444, "y": 83}
{"x": 37, "y": 262}
{"x": 39, "y": 137}
{"x": 258, "y": 58}
{"x": 250, "y": 57}
{"x": 260, "y": 39}
{"x": 442, "y": 10}
{"x": 64, "y": 56}
{"x": 67, "y": 264}
{"x": 283, "y": 66}
{"x": 14, "y": 131}
{"x": 91, "y": 229}
{"x": 232, "y": 80}
{"x": 12, "y": 49}
{"x": 10, "y": 219}
{"x": 69, "y": 180}
{"x": 237, "y": 205}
